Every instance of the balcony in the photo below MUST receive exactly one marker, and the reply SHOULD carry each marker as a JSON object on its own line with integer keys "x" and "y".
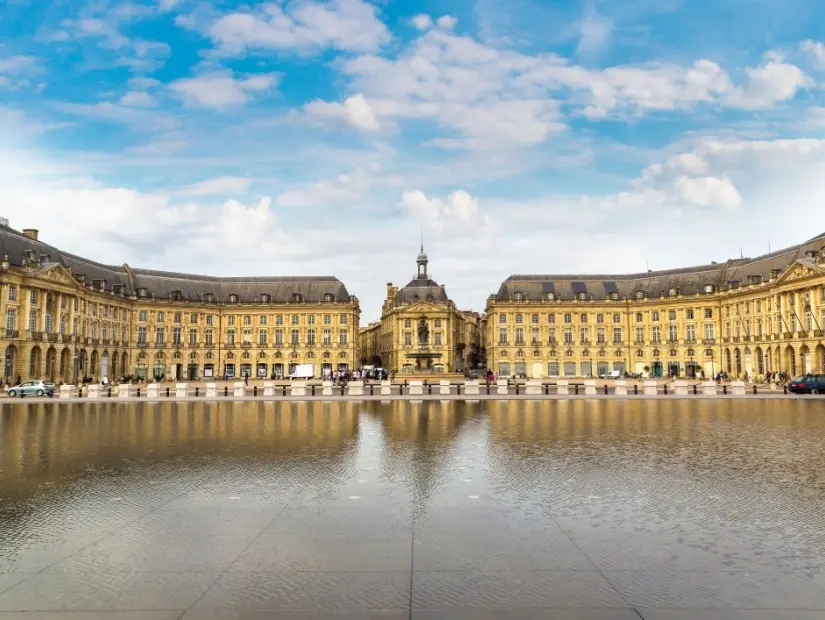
{"x": 95, "y": 341}
{"x": 160, "y": 345}
{"x": 51, "y": 337}
{"x": 246, "y": 345}
{"x": 38, "y": 336}
{"x": 690, "y": 341}
{"x": 11, "y": 333}
{"x": 141, "y": 344}
{"x": 818, "y": 333}
{"x": 66, "y": 338}
{"x": 105, "y": 341}
{"x": 787, "y": 335}
{"x": 709, "y": 341}
{"x": 736, "y": 338}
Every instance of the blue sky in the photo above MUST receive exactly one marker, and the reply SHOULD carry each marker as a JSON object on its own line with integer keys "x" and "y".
{"x": 319, "y": 137}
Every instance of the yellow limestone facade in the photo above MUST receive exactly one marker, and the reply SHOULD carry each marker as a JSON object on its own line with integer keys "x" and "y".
{"x": 67, "y": 317}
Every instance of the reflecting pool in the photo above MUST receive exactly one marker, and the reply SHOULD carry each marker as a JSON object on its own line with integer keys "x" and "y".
{"x": 565, "y": 509}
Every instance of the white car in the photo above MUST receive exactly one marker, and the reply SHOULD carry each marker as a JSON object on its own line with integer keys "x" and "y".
{"x": 613, "y": 374}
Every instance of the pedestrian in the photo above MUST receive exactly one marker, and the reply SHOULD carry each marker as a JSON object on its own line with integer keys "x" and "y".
{"x": 246, "y": 379}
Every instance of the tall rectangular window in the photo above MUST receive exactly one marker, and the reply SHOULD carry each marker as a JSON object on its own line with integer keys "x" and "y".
{"x": 294, "y": 336}
{"x": 584, "y": 334}
{"x": 13, "y": 295}
{"x": 210, "y": 319}
{"x": 33, "y": 320}
{"x": 502, "y": 335}
{"x": 342, "y": 336}
{"x": 279, "y": 336}
{"x": 262, "y": 337}
{"x": 311, "y": 319}
{"x": 519, "y": 335}
{"x": 247, "y": 319}
{"x": 327, "y": 319}
{"x": 161, "y": 317}
{"x": 246, "y": 335}
{"x": 672, "y": 335}
{"x": 160, "y": 335}
{"x": 438, "y": 339}
{"x": 640, "y": 335}
{"x": 656, "y": 334}
{"x": 535, "y": 335}
{"x": 568, "y": 335}
{"x": 689, "y": 314}
{"x": 617, "y": 335}
{"x": 193, "y": 337}
{"x": 708, "y": 313}
{"x": 343, "y": 320}
{"x": 600, "y": 335}
{"x": 178, "y": 317}
{"x": 262, "y": 320}
{"x": 407, "y": 339}
{"x": 176, "y": 336}
{"x": 207, "y": 337}
{"x": 33, "y": 296}
{"x": 690, "y": 333}
{"x": 327, "y": 337}
{"x": 11, "y": 319}
{"x": 709, "y": 331}
{"x": 230, "y": 337}
{"x": 310, "y": 336}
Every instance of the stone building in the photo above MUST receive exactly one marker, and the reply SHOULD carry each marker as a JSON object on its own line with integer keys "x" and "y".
{"x": 421, "y": 330}
{"x": 749, "y": 315}
{"x": 68, "y": 316}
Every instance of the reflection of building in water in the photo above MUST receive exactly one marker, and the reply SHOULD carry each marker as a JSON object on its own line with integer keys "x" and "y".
{"x": 56, "y": 439}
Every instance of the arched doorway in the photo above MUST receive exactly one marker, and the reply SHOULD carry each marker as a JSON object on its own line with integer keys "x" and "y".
{"x": 760, "y": 362}
{"x": 11, "y": 364}
{"x": 104, "y": 364}
{"x": 124, "y": 363}
{"x": 65, "y": 365}
{"x": 777, "y": 358}
{"x": 94, "y": 366}
{"x": 805, "y": 361}
{"x": 728, "y": 364}
{"x": 81, "y": 364}
{"x": 113, "y": 367}
{"x": 51, "y": 358}
{"x": 790, "y": 360}
{"x": 35, "y": 358}
{"x": 737, "y": 356}
{"x": 820, "y": 359}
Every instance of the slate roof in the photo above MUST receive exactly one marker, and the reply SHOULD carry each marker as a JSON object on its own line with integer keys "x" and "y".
{"x": 421, "y": 289}
{"x": 657, "y": 283}
{"x": 162, "y": 284}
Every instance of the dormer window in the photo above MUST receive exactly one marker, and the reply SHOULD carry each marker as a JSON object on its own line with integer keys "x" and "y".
{"x": 640, "y": 294}
{"x": 732, "y": 284}
{"x": 329, "y": 297}
{"x": 673, "y": 292}
{"x": 614, "y": 296}
{"x": 175, "y": 295}
{"x": 518, "y": 296}
{"x": 209, "y": 298}
{"x": 775, "y": 273}
{"x": 297, "y": 298}
{"x": 754, "y": 279}
{"x": 142, "y": 293}
{"x": 233, "y": 299}
{"x": 709, "y": 288}
{"x": 581, "y": 296}
{"x": 265, "y": 298}
{"x": 551, "y": 297}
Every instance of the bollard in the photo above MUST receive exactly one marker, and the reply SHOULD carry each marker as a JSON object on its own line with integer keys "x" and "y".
{"x": 197, "y": 391}
{"x": 517, "y": 388}
{"x": 488, "y": 388}
{"x": 313, "y": 390}
{"x": 576, "y": 388}
{"x": 429, "y": 388}
{"x": 694, "y": 389}
{"x": 754, "y": 389}
{"x": 138, "y": 392}
{"x": 226, "y": 390}
{"x": 342, "y": 390}
{"x": 724, "y": 389}
{"x": 459, "y": 389}
{"x": 546, "y": 389}
{"x": 636, "y": 389}
{"x": 284, "y": 393}
{"x": 605, "y": 390}
{"x": 372, "y": 389}
{"x": 255, "y": 390}
{"x": 167, "y": 392}
{"x": 665, "y": 389}
{"x": 109, "y": 392}
{"x": 784, "y": 389}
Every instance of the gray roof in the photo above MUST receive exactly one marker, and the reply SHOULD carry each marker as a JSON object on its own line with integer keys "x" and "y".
{"x": 421, "y": 289}
{"x": 658, "y": 283}
{"x": 163, "y": 284}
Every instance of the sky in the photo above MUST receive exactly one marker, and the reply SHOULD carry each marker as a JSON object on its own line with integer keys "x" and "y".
{"x": 322, "y": 137}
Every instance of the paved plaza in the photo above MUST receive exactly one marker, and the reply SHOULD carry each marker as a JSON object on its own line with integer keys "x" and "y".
{"x": 570, "y": 510}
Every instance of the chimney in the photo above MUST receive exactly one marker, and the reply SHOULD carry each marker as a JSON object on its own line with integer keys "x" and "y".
{"x": 31, "y": 233}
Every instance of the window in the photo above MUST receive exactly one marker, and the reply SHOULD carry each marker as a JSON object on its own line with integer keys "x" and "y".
{"x": 33, "y": 320}
{"x": 640, "y": 335}
{"x": 230, "y": 320}
{"x": 262, "y": 320}
{"x": 809, "y": 321}
{"x": 310, "y": 336}
{"x": 568, "y": 335}
{"x": 193, "y": 337}
{"x": 617, "y": 318}
{"x": 342, "y": 337}
{"x": 279, "y": 319}
{"x": 551, "y": 296}
{"x": 581, "y": 296}
{"x": 551, "y": 318}
{"x": 552, "y": 337}
{"x": 62, "y": 324}
{"x": 519, "y": 335}
{"x": 247, "y": 320}
{"x": 438, "y": 339}
{"x": 246, "y": 336}
{"x": 502, "y": 318}
{"x": 502, "y": 335}
{"x": 639, "y": 317}
{"x": 123, "y": 335}
{"x": 233, "y": 299}
{"x": 617, "y": 335}
{"x": 600, "y": 318}
{"x": 600, "y": 335}
{"x": 230, "y": 337}
{"x": 535, "y": 335}
{"x": 759, "y": 328}
{"x": 654, "y": 316}
{"x": 311, "y": 319}
{"x": 519, "y": 318}
{"x": 33, "y": 296}
{"x": 534, "y": 319}
{"x": 342, "y": 320}
{"x": 690, "y": 333}
{"x": 568, "y": 318}
{"x": 193, "y": 319}
{"x": 438, "y": 322}
{"x": 11, "y": 316}
{"x": 327, "y": 337}
{"x": 656, "y": 334}
{"x": 407, "y": 339}
{"x": 407, "y": 323}
{"x": 708, "y": 313}
{"x": 689, "y": 314}
{"x": 160, "y": 335}
{"x": 279, "y": 337}
{"x": 327, "y": 319}
{"x": 672, "y": 336}
{"x": 294, "y": 336}
{"x": 583, "y": 318}
{"x": 13, "y": 295}
{"x": 518, "y": 296}
{"x": 178, "y": 316}
{"x": 142, "y": 315}
{"x": 709, "y": 331}
{"x": 671, "y": 315}
{"x": 176, "y": 336}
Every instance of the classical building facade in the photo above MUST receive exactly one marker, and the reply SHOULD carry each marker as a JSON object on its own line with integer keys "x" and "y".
{"x": 68, "y": 317}
{"x": 752, "y": 316}
{"x": 421, "y": 330}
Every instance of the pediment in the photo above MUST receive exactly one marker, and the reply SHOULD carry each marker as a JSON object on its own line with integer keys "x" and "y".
{"x": 55, "y": 273}
{"x": 423, "y": 307}
{"x": 800, "y": 271}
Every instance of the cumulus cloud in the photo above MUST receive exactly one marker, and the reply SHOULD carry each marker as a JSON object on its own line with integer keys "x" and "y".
{"x": 422, "y": 21}
{"x": 709, "y": 192}
{"x": 594, "y": 35}
{"x": 815, "y": 49}
{"x": 343, "y": 189}
{"x": 16, "y": 71}
{"x": 351, "y": 25}
{"x": 447, "y": 22}
{"x": 354, "y": 111}
{"x": 459, "y": 209}
{"x": 138, "y": 99}
{"x": 221, "y": 90}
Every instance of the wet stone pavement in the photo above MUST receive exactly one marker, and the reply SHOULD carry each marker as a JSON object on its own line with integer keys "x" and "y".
{"x": 570, "y": 510}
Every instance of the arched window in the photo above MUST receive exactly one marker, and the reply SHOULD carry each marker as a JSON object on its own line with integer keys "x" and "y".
{"x": 551, "y": 296}
{"x": 265, "y": 298}
{"x": 581, "y": 296}
{"x": 233, "y": 299}
{"x": 329, "y": 297}
{"x": 518, "y": 296}
{"x": 614, "y": 296}
{"x": 297, "y": 298}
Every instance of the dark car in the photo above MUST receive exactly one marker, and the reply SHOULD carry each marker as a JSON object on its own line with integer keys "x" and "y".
{"x": 808, "y": 384}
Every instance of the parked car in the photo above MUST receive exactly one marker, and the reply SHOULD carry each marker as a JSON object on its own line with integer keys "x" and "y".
{"x": 613, "y": 374}
{"x": 32, "y": 388}
{"x": 808, "y": 384}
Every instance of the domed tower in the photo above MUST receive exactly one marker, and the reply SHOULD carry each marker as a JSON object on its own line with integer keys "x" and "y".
{"x": 422, "y": 264}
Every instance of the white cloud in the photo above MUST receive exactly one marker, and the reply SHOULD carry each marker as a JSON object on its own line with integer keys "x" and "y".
{"x": 816, "y": 49}
{"x": 138, "y": 99}
{"x": 355, "y": 111}
{"x": 16, "y": 64}
{"x": 16, "y": 71}
{"x": 217, "y": 186}
{"x": 143, "y": 83}
{"x": 344, "y": 189}
{"x": 770, "y": 83}
{"x": 143, "y": 119}
{"x": 447, "y": 22}
{"x": 709, "y": 192}
{"x": 221, "y": 90}
{"x": 422, "y": 21}
{"x": 594, "y": 35}
{"x": 351, "y": 25}
{"x": 458, "y": 211}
